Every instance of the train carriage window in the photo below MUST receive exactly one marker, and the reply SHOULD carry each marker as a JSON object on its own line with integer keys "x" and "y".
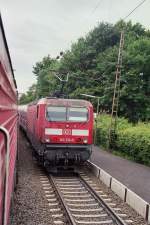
{"x": 55, "y": 113}
{"x": 77, "y": 114}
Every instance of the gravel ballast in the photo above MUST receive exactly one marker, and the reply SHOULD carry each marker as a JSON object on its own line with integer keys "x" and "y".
{"x": 124, "y": 207}
{"x": 30, "y": 205}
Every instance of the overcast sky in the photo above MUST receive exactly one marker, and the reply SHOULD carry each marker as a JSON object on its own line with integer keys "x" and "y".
{"x": 36, "y": 28}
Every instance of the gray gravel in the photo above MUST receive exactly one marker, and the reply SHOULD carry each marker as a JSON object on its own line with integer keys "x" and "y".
{"x": 30, "y": 206}
{"x": 125, "y": 208}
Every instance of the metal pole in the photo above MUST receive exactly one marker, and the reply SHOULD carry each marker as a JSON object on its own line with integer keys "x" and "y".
{"x": 7, "y": 139}
{"x": 116, "y": 94}
{"x": 97, "y": 106}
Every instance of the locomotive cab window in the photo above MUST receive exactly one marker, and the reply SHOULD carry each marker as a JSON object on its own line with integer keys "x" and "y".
{"x": 77, "y": 114}
{"x": 72, "y": 114}
{"x": 55, "y": 113}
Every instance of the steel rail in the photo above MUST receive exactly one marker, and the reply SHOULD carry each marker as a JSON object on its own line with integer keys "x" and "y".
{"x": 106, "y": 207}
{"x": 116, "y": 219}
{"x": 64, "y": 204}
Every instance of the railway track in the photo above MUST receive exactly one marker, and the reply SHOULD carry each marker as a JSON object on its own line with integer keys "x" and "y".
{"x": 77, "y": 200}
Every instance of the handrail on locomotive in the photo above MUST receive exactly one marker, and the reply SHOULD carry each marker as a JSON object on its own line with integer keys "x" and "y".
{"x": 6, "y": 135}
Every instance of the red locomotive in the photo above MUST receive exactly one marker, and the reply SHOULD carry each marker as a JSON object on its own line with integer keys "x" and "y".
{"x": 8, "y": 128}
{"x": 60, "y": 130}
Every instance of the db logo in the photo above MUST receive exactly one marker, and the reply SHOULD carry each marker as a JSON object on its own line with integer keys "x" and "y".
{"x": 67, "y": 131}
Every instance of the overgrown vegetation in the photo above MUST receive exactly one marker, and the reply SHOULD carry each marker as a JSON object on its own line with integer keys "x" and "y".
{"x": 132, "y": 141}
{"x": 91, "y": 63}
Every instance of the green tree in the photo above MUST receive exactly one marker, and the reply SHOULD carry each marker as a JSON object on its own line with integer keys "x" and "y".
{"x": 29, "y": 96}
{"x": 91, "y": 64}
{"x": 46, "y": 82}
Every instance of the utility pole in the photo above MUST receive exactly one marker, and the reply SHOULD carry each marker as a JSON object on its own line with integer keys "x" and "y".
{"x": 116, "y": 95}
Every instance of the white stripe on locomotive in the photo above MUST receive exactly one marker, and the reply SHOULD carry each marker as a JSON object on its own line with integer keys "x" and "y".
{"x": 75, "y": 132}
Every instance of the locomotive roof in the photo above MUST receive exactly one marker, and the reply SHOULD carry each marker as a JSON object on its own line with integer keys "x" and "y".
{"x": 64, "y": 102}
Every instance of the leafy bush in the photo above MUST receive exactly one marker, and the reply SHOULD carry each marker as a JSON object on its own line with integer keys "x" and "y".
{"x": 103, "y": 123}
{"x": 102, "y": 130}
{"x": 133, "y": 141}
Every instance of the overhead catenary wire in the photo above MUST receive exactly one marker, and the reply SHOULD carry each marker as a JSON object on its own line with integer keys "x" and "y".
{"x": 84, "y": 22}
{"x": 95, "y": 8}
{"x": 97, "y": 5}
{"x": 132, "y": 11}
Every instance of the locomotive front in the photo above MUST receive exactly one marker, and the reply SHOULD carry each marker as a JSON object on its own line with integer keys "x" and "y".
{"x": 67, "y": 132}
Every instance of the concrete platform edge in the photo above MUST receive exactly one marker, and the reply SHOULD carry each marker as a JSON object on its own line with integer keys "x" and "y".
{"x": 132, "y": 199}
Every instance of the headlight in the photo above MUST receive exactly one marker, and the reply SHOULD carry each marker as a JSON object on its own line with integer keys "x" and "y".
{"x": 85, "y": 141}
{"x": 47, "y": 140}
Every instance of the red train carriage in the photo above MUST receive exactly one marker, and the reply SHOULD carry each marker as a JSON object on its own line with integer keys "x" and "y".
{"x": 60, "y": 130}
{"x": 8, "y": 128}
